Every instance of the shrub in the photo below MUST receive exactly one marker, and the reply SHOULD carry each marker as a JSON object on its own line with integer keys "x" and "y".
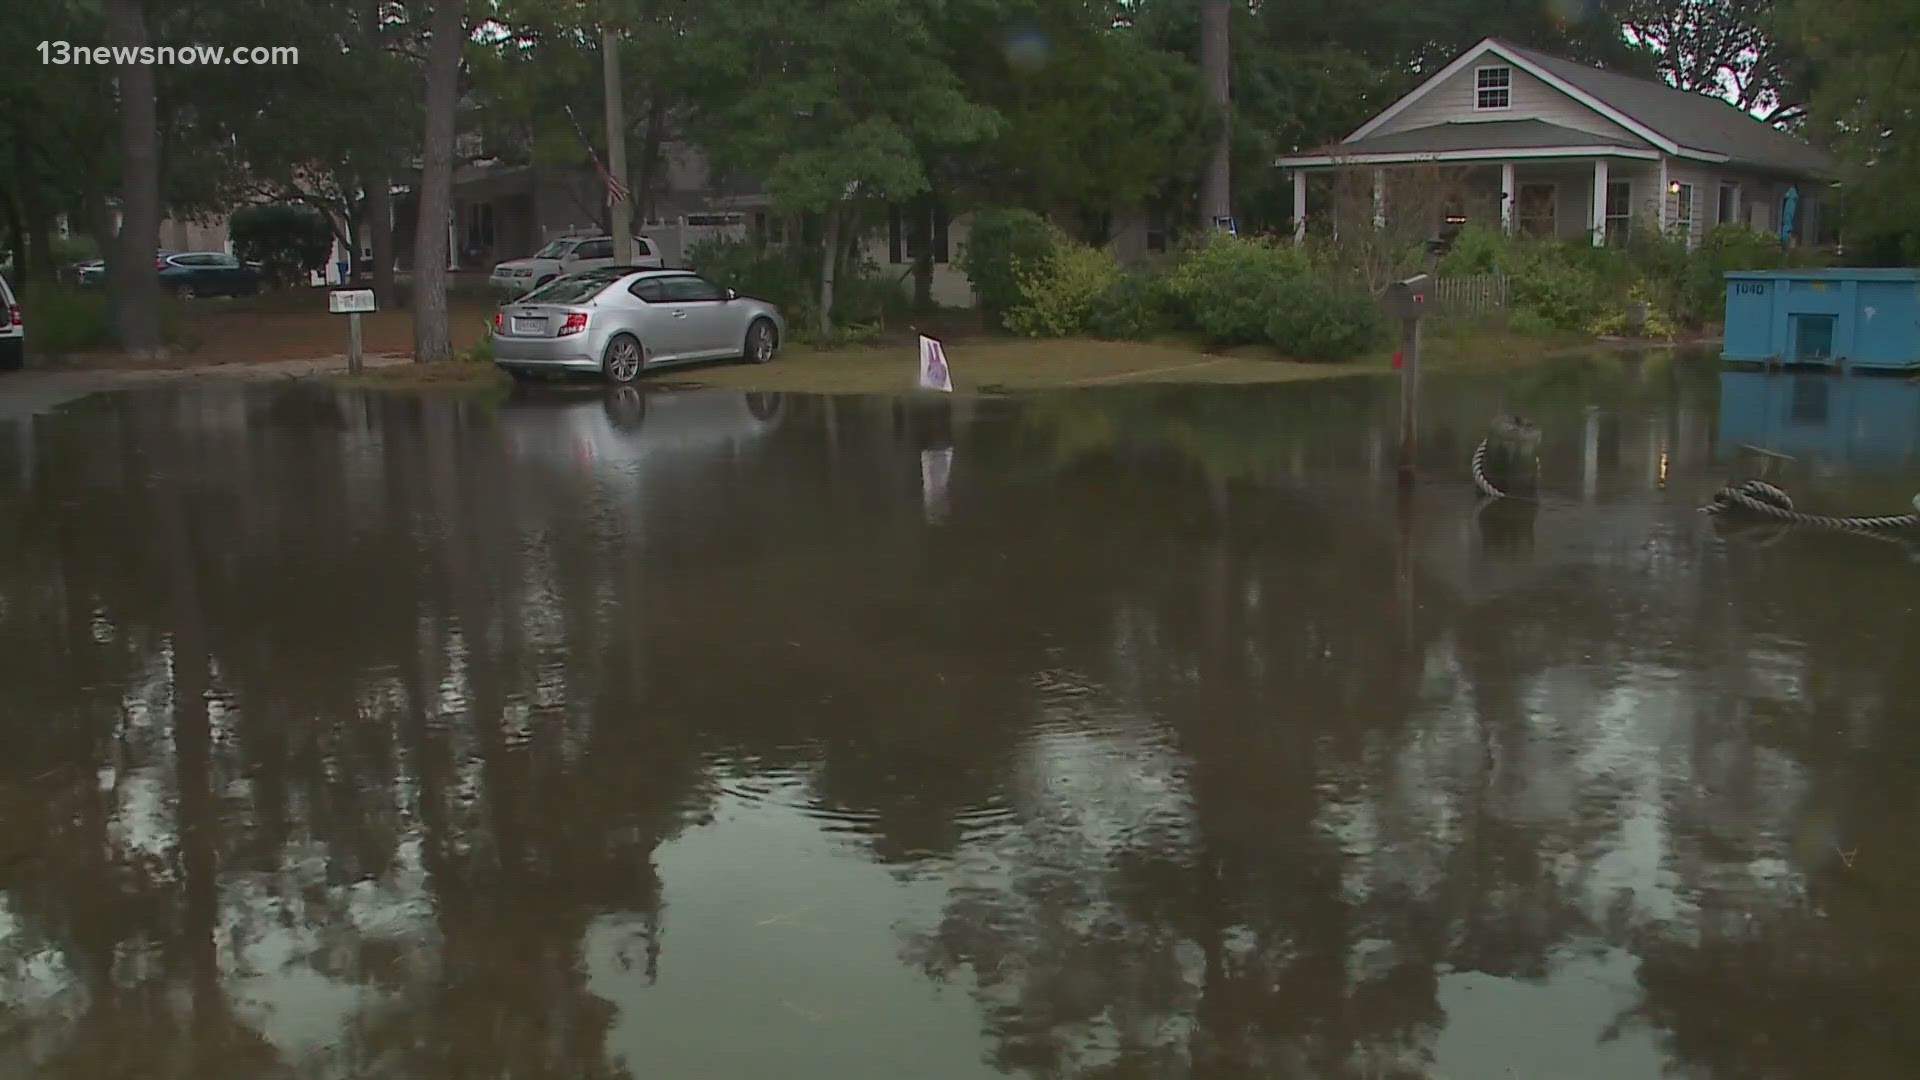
{"x": 1322, "y": 318}
{"x": 1560, "y": 297}
{"x": 1057, "y": 294}
{"x": 1226, "y": 286}
{"x": 288, "y": 241}
{"x": 999, "y": 241}
{"x": 1478, "y": 250}
{"x": 1133, "y": 306}
{"x": 1725, "y": 248}
{"x": 1659, "y": 323}
{"x": 864, "y": 293}
{"x": 786, "y": 276}
{"x": 789, "y": 277}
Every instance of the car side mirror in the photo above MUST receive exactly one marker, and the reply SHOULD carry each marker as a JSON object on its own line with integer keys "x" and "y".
{"x": 731, "y": 295}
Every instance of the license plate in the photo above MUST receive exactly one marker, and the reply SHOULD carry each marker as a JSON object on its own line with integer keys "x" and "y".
{"x": 529, "y": 326}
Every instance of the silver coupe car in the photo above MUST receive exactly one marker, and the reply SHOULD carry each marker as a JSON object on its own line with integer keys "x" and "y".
{"x": 622, "y": 321}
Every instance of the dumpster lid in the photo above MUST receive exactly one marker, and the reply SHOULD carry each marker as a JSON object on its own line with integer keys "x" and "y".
{"x": 1830, "y": 273}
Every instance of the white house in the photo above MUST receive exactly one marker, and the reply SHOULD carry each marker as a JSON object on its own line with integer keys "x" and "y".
{"x": 1550, "y": 147}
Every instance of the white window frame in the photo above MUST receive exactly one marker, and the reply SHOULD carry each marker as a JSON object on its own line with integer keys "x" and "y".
{"x": 1729, "y": 209}
{"x": 1481, "y": 88}
{"x": 1683, "y": 209}
{"x": 1608, "y": 217}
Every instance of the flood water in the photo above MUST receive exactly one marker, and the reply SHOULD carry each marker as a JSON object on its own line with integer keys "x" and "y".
{"x": 1132, "y": 733}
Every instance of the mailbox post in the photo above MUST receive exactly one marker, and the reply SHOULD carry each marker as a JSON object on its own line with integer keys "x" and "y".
{"x": 351, "y": 302}
{"x": 1406, "y": 301}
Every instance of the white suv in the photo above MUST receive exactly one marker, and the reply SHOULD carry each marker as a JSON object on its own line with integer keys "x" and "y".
{"x": 13, "y": 331}
{"x": 568, "y": 255}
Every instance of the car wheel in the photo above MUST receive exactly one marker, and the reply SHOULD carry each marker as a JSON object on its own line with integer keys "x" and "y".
{"x": 623, "y": 359}
{"x": 184, "y": 292}
{"x": 765, "y": 407}
{"x": 626, "y": 406}
{"x": 762, "y": 342}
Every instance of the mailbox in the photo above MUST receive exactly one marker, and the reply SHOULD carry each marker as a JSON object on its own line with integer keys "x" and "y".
{"x": 1407, "y": 299}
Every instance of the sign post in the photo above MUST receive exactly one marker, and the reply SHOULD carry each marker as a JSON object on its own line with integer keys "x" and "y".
{"x": 351, "y": 303}
{"x": 1406, "y": 300}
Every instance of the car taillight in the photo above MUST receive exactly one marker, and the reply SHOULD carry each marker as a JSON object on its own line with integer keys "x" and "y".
{"x": 15, "y": 317}
{"x": 159, "y": 263}
{"x": 499, "y": 322}
{"x": 576, "y": 323}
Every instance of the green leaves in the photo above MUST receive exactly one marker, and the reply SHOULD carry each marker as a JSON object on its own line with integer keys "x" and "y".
{"x": 1864, "y": 104}
{"x": 829, "y": 102}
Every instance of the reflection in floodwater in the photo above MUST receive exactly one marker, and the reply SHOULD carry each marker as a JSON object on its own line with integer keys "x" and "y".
{"x": 1860, "y": 423}
{"x": 1130, "y": 733}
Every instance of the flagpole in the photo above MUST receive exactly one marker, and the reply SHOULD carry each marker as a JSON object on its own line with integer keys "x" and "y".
{"x": 622, "y": 206}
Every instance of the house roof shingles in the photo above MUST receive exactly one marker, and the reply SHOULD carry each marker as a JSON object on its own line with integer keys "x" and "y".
{"x": 1463, "y": 135}
{"x": 1694, "y": 121}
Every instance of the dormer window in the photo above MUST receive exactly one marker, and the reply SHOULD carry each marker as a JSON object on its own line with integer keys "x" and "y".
{"x": 1492, "y": 88}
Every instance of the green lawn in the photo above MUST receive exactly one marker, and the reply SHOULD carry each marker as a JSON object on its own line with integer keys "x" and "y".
{"x": 992, "y": 363}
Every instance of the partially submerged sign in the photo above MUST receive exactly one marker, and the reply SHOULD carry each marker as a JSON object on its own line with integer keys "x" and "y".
{"x": 350, "y": 301}
{"x": 934, "y": 374}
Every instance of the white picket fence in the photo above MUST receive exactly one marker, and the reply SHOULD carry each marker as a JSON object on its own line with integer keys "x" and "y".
{"x": 1470, "y": 294}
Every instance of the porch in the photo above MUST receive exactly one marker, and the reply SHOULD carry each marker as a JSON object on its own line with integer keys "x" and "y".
{"x": 1552, "y": 198}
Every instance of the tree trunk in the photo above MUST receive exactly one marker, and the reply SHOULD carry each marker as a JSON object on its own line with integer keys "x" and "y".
{"x": 39, "y": 255}
{"x": 829, "y": 258}
{"x": 379, "y": 203}
{"x": 431, "y": 341}
{"x": 99, "y": 217}
{"x": 649, "y": 161}
{"x": 27, "y": 218}
{"x": 1216, "y": 199}
{"x": 922, "y": 224}
{"x": 16, "y": 229}
{"x": 133, "y": 289}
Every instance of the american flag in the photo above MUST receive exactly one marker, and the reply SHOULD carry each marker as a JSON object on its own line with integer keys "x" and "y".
{"x": 617, "y": 189}
{"x": 617, "y": 192}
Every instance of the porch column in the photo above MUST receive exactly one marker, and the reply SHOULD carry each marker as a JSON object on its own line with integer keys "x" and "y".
{"x": 1299, "y": 206}
{"x": 453, "y": 243}
{"x": 1508, "y": 194}
{"x": 1379, "y": 198}
{"x": 1660, "y": 196}
{"x": 1598, "y": 219}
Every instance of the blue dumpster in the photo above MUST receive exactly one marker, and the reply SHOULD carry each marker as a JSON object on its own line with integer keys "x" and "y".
{"x": 1854, "y": 318}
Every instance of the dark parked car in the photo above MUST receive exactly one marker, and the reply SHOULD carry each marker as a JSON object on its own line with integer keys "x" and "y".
{"x": 207, "y": 273}
{"x": 188, "y": 274}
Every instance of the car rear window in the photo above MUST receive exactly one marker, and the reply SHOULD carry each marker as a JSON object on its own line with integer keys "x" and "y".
{"x": 576, "y": 289}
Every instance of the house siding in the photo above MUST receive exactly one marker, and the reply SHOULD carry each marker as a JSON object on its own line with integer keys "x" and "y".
{"x": 950, "y": 285}
{"x": 1705, "y": 181}
{"x": 1452, "y": 101}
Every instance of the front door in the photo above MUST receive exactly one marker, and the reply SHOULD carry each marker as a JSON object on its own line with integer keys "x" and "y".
{"x": 1535, "y": 210}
